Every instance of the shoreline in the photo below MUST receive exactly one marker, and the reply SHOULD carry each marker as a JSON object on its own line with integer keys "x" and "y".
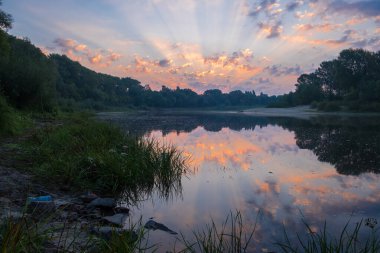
{"x": 300, "y": 112}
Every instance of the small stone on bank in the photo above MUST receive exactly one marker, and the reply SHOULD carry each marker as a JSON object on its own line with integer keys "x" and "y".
{"x": 106, "y": 232}
{"x": 121, "y": 209}
{"x": 88, "y": 197}
{"x": 117, "y": 219}
{"x": 103, "y": 203}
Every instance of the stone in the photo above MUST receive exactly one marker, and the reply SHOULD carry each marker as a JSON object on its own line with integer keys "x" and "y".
{"x": 121, "y": 209}
{"x": 151, "y": 224}
{"x": 106, "y": 232}
{"x": 40, "y": 209}
{"x": 117, "y": 219}
{"x": 88, "y": 197}
{"x": 12, "y": 214}
{"x": 62, "y": 203}
{"x": 103, "y": 203}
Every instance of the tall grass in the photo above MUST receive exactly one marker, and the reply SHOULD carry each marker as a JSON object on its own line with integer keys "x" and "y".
{"x": 11, "y": 121}
{"x": 231, "y": 237}
{"x": 134, "y": 239}
{"x": 87, "y": 154}
{"x": 349, "y": 241}
{"x": 20, "y": 236}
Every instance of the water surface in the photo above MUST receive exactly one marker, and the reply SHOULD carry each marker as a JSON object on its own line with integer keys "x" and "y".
{"x": 276, "y": 170}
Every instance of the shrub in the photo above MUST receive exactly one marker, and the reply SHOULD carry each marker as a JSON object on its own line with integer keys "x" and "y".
{"x": 87, "y": 154}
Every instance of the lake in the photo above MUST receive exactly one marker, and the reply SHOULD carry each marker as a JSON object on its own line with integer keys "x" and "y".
{"x": 277, "y": 171}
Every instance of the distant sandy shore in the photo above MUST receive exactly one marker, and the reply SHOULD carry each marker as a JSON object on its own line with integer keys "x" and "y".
{"x": 301, "y": 112}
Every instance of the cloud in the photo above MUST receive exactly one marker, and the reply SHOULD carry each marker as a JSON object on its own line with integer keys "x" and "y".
{"x": 233, "y": 60}
{"x": 346, "y": 40}
{"x": 202, "y": 86}
{"x": 291, "y": 6}
{"x": 165, "y": 63}
{"x": 271, "y": 30}
{"x": 269, "y": 7}
{"x": 326, "y": 27}
{"x": 304, "y": 14}
{"x": 81, "y": 52}
{"x": 185, "y": 63}
{"x": 373, "y": 42}
{"x": 369, "y": 8}
{"x": 279, "y": 70}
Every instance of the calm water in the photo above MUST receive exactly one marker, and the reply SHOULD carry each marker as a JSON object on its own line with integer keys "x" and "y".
{"x": 284, "y": 169}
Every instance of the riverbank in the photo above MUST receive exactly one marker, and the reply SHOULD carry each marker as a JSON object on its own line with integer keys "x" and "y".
{"x": 299, "y": 112}
{"x": 67, "y": 182}
{"x": 303, "y": 112}
{"x": 77, "y": 215}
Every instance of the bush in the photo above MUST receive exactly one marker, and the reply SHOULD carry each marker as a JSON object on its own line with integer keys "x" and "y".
{"x": 87, "y": 154}
{"x": 11, "y": 121}
{"x": 328, "y": 106}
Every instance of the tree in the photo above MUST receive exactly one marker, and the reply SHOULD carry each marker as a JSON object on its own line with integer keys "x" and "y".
{"x": 5, "y": 19}
{"x": 5, "y": 24}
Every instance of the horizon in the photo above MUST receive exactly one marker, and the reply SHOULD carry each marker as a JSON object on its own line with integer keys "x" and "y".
{"x": 228, "y": 45}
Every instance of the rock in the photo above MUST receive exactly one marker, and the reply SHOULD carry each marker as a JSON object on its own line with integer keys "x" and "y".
{"x": 103, "y": 203}
{"x": 121, "y": 209}
{"x": 151, "y": 224}
{"x": 12, "y": 214}
{"x": 41, "y": 208}
{"x": 106, "y": 232}
{"x": 88, "y": 197}
{"x": 117, "y": 219}
{"x": 61, "y": 203}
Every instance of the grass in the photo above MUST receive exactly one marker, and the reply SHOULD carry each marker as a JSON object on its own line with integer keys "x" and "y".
{"x": 20, "y": 236}
{"x": 132, "y": 240}
{"x": 12, "y": 122}
{"x": 28, "y": 235}
{"x": 351, "y": 240}
{"x": 87, "y": 154}
{"x": 231, "y": 237}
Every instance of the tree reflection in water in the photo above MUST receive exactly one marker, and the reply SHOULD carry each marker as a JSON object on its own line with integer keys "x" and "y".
{"x": 352, "y": 145}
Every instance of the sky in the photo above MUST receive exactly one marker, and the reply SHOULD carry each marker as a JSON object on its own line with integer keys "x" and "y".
{"x": 200, "y": 44}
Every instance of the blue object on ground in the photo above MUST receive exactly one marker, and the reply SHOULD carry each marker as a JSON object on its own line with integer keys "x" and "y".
{"x": 47, "y": 198}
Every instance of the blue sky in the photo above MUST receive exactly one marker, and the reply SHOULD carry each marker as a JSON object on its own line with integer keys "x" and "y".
{"x": 242, "y": 44}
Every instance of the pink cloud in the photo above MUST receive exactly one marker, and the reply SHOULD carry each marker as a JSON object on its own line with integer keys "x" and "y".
{"x": 79, "y": 52}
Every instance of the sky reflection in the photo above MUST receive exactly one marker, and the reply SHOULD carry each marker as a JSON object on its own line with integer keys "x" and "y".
{"x": 260, "y": 169}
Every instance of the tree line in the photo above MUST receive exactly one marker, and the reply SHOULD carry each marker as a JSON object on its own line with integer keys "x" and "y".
{"x": 352, "y": 80}
{"x": 31, "y": 80}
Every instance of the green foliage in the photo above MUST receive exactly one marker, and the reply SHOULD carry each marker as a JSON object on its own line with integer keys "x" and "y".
{"x": 5, "y": 20}
{"x": 327, "y": 106}
{"x": 87, "y": 154}
{"x": 231, "y": 237}
{"x": 18, "y": 236}
{"x": 130, "y": 241}
{"x": 5, "y": 23}
{"x": 33, "y": 81}
{"x": 27, "y": 77}
{"x": 353, "y": 76}
{"x": 11, "y": 121}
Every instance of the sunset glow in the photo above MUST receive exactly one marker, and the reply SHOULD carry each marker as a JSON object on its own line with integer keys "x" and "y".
{"x": 249, "y": 45}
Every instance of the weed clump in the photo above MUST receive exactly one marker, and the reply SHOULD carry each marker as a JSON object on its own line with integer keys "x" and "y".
{"x": 87, "y": 154}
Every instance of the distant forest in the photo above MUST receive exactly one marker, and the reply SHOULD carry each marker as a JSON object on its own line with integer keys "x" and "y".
{"x": 352, "y": 82}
